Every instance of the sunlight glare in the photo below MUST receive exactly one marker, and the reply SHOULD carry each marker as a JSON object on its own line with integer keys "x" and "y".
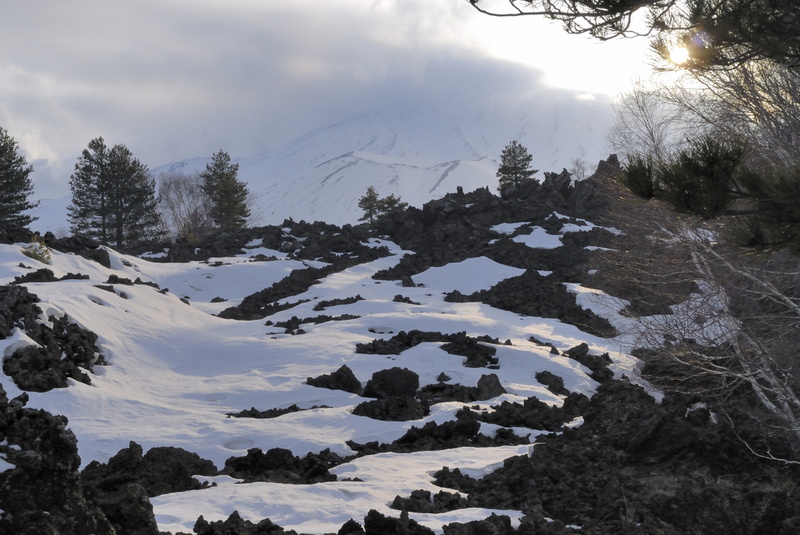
{"x": 679, "y": 54}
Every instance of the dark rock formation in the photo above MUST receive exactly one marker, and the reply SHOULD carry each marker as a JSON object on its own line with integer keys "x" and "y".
{"x": 432, "y": 436}
{"x": 271, "y": 413}
{"x": 280, "y": 465}
{"x": 341, "y": 379}
{"x": 598, "y": 364}
{"x": 65, "y": 350}
{"x": 235, "y": 525}
{"x": 322, "y": 305}
{"x": 161, "y": 470}
{"x": 640, "y": 467}
{"x": 378, "y": 524}
{"x": 81, "y": 246}
{"x": 394, "y": 408}
{"x": 42, "y": 493}
{"x": 478, "y": 355}
{"x": 421, "y": 501}
{"x": 553, "y": 382}
{"x": 11, "y": 233}
{"x": 532, "y": 413}
{"x": 292, "y": 325}
{"x": 394, "y": 382}
{"x": 495, "y": 524}
{"x": 531, "y": 294}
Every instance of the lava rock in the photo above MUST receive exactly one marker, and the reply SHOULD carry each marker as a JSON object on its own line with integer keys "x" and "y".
{"x": 280, "y": 465}
{"x": 393, "y": 408}
{"x": 394, "y": 382}
{"x": 42, "y": 492}
{"x": 341, "y": 379}
{"x": 235, "y": 525}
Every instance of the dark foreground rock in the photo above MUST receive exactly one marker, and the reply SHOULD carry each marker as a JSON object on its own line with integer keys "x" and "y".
{"x": 235, "y": 525}
{"x": 280, "y": 465}
{"x": 65, "y": 350}
{"x": 161, "y": 470}
{"x": 636, "y": 466}
{"x": 41, "y": 492}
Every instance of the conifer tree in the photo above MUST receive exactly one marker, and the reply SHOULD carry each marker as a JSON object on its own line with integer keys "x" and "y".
{"x": 15, "y": 184}
{"x": 113, "y": 197}
{"x": 390, "y": 204}
{"x": 515, "y": 165}
{"x": 370, "y": 203}
{"x": 375, "y": 207}
{"x": 228, "y": 194}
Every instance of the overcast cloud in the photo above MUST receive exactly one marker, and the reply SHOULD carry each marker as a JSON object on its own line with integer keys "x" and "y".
{"x": 175, "y": 79}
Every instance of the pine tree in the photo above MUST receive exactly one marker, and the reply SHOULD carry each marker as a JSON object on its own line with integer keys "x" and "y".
{"x": 133, "y": 204}
{"x": 371, "y": 204}
{"x": 15, "y": 184}
{"x": 113, "y": 197}
{"x": 515, "y": 165}
{"x": 228, "y": 194}
{"x": 375, "y": 207}
{"x": 88, "y": 213}
{"x": 391, "y": 204}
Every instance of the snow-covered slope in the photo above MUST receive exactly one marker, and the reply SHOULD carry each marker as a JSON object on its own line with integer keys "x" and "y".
{"x": 418, "y": 156}
{"x": 175, "y": 370}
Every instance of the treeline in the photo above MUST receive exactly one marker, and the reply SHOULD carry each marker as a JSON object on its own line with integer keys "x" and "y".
{"x": 115, "y": 200}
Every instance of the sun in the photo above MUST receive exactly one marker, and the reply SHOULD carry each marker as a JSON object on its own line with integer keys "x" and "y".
{"x": 679, "y": 54}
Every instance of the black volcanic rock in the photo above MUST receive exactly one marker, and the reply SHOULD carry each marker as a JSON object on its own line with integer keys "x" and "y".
{"x": 160, "y": 471}
{"x": 280, "y": 465}
{"x": 394, "y": 382}
{"x": 341, "y": 379}
{"x": 235, "y": 525}
{"x": 65, "y": 350}
{"x": 42, "y": 492}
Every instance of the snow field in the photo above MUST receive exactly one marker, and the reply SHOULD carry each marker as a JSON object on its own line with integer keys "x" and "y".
{"x": 175, "y": 371}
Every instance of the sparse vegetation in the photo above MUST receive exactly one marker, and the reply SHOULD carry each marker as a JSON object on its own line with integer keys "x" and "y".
{"x": 38, "y": 250}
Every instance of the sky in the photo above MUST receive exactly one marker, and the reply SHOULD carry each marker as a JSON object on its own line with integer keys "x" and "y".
{"x": 176, "y": 79}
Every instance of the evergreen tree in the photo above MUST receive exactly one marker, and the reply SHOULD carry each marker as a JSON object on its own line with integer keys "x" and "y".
{"x": 515, "y": 165}
{"x": 88, "y": 213}
{"x": 113, "y": 197}
{"x": 370, "y": 203}
{"x": 391, "y": 204}
{"x": 375, "y": 207}
{"x": 15, "y": 184}
{"x": 228, "y": 195}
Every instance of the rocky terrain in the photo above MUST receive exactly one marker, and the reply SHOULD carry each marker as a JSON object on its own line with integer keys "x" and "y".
{"x": 616, "y": 461}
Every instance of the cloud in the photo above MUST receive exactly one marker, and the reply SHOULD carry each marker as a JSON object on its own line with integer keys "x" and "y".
{"x": 174, "y": 79}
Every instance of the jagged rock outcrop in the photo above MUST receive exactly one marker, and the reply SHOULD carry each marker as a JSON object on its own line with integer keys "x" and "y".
{"x": 341, "y": 379}
{"x": 280, "y": 465}
{"x": 159, "y": 471}
{"x": 64, "y": 350}
{"x": 235, "y": 525}
{"x": 40, "y": 486}
{"x": 642, "y": 466}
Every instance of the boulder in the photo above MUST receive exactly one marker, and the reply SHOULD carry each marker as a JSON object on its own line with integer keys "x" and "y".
{"x": 394, "y": 382}
{"x": 41, "y": 493}
{"x": 341, "y": 379}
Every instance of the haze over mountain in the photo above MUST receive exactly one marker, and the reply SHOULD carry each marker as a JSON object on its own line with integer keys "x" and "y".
{"x": 417, "y": 155}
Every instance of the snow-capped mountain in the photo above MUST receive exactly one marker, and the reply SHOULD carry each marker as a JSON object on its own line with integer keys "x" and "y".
{"x": 418, "y": 156}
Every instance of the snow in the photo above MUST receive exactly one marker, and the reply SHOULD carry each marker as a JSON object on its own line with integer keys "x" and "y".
{"x": 468, "y": 276}
{"x": 175, "y": 371}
